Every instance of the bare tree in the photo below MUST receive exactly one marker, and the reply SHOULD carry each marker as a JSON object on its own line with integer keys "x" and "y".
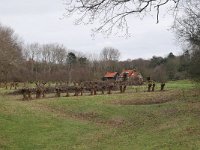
{"x": 33, "y": 51}
{"x": 46, "y": 53}
{"x": 10, "y": 51}
{"x": 60, "y": 54}
{"x": 110, "y": 54}
{"x": 188, "y": 25}
{"x": 188, "y": 30}
{"x": 114, "y": 13}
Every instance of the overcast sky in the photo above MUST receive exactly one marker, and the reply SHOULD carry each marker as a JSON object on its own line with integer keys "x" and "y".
{"x": 40, "y": 21}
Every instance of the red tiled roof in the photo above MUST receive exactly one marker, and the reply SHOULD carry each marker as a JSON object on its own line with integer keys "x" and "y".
{"x": 110, "y": 74}
{"x": 129, "y": 73}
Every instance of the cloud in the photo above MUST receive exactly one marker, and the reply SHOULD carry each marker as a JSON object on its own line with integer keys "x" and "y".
{"x": 39, "y": 21}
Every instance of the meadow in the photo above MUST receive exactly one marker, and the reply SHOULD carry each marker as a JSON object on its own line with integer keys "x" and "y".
{"x": 132, "y": 120}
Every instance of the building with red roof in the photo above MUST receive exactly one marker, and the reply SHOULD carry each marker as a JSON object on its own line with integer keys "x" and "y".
{"x": 129, "y": 73}
{"x": 133, "y": 76}
{"x": 111, "y": 76}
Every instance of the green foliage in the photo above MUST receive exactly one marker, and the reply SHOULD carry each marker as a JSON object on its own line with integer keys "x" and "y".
{"x": 156, "y": 61}
{"x": 82, "y": 60}
{"x": 71, "y": 58}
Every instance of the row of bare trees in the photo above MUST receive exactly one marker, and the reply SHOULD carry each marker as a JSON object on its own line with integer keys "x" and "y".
{"x": 54, "y": 62}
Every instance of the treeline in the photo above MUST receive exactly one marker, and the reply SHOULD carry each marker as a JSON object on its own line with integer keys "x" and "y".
{"x": 54, "y": 62}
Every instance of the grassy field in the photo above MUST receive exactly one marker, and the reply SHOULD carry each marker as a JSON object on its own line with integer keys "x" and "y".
{"x": 142, "y": 120}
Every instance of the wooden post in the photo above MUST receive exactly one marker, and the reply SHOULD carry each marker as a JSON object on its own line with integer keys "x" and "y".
{"x": 67, "y": 92}
{"x": 24, "y": 94}
{"x": 153, "y": 86}
{"x": 124, "y": 88}
{"x": 109, "y": 89}
{"x": 29, "y": 94}
{"x": 121, "y": 89}
{"x": 149, "y": 86}
{"x": 58, "y": 92}
{"x": 162, "y": 86}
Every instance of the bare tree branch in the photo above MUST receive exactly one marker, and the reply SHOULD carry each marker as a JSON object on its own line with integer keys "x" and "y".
{"x": 111, "y": 14}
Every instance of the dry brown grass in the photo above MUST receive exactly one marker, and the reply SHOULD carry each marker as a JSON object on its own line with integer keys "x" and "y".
{"x": 155, "y": 98}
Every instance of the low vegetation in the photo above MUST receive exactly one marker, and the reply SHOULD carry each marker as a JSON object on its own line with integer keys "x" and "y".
{"x": 131, "y": 120}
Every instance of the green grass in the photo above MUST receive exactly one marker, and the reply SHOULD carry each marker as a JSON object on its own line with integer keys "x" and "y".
{"x": 117, "y": 121}
{"x": 182, "y": 84}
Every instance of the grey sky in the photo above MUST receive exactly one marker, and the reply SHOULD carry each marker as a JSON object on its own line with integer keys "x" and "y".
{"x": 39, "y": 21}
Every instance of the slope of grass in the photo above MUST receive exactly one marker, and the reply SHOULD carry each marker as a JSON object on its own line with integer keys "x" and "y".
{"x": 155, "y": 120}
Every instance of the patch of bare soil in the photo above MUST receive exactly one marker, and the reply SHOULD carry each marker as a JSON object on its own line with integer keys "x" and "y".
{"x": 96, "y": 118}
{"x": 114, "y": 122}
{"x": 145, "y": 101}
{"x": 189, "y": 131}
{"x": 170, "y": 111}
{"x": 85, "y": 115}
{"x": 192, "y": 130}
{"x": 3, "y": 143}
{"x": 149, "y": 98}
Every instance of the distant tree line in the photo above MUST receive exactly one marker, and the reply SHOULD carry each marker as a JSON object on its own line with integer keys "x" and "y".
{"x": 54, "y": 62}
